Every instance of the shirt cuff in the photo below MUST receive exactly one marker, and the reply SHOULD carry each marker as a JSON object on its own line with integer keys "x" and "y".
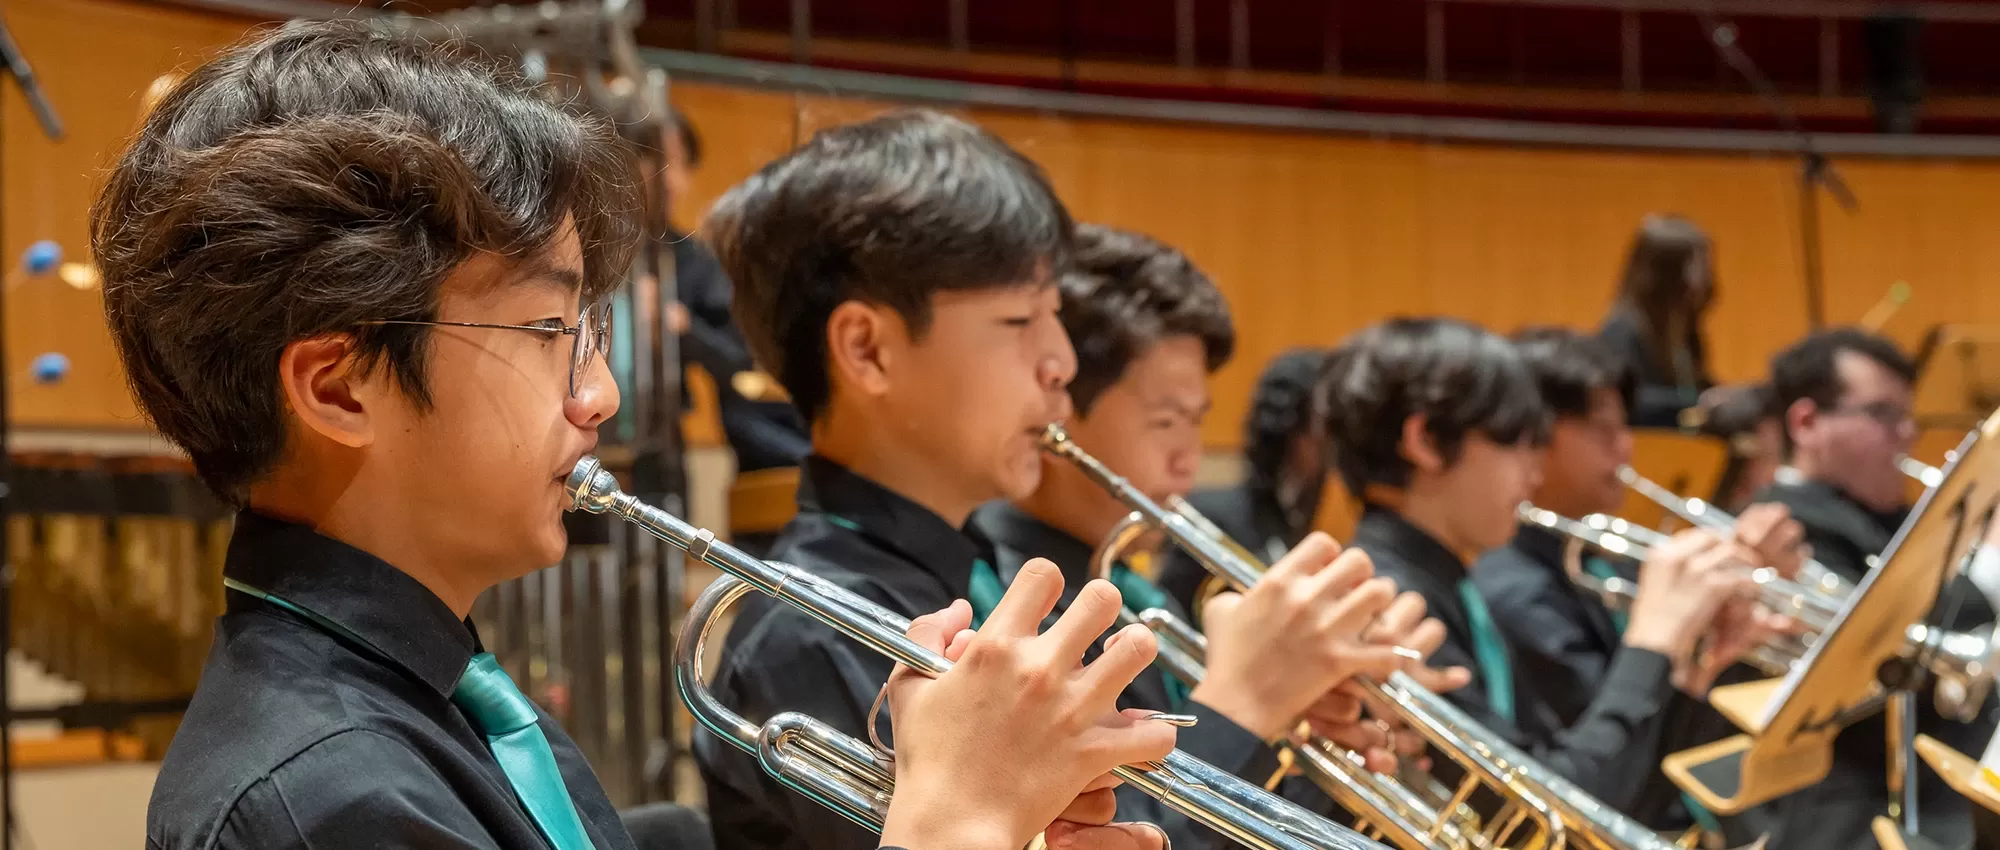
{"x": 1639, "y": 683}
{"x": 1219, "y": 741}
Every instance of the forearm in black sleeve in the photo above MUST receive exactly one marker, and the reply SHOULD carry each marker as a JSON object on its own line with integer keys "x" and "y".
{"x": 1614, "y": 748}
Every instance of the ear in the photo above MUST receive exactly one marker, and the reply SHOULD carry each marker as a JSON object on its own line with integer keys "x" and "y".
{"x": 1800, "y": 418}
{"x": 326, "y": 392}
{"x": 859, "y": 356}
{"x": 1418, "y": 447}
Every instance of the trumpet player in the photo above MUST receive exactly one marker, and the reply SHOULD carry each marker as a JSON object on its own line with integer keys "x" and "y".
{"x": 359, "y": 278}
{"x": 1273, "y": 509}
{"x": 898, "y": 277}
{"x": 1568, "y": 640}
{"x": 1438, "y": 426}
{"x": 1845, "y": 399}
{"x": 1149, "y": 328}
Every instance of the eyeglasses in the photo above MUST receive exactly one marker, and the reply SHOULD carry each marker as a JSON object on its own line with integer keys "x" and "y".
{"x": 1888, "y": 414}
{"x": 592, "y": 332}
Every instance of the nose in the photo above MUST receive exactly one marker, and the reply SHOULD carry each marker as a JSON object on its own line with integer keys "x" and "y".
{"x": 1057, "y": 365}
{"x": 596, "y": 397}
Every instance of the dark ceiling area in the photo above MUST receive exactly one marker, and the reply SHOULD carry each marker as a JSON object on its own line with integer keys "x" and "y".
{"x": 1855, "y": 49}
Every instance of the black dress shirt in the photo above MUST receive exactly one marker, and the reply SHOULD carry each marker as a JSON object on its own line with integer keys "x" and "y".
{"x": 1568, "y": 642}
{"x": 764, "y": 434}
{"x": 1611, "y": 749}
{"x": 862, "y": 536}
{"x": 1658, "y": 398}
{"x": 1835, "y": 813}
{"x": 298, "y": 739}
{"x": 1252, "y": 520}
{"x": 1016, "y": 537}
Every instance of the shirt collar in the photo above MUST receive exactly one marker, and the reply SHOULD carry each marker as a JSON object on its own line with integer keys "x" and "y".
{"x": 891, "y": 521}
{"x": 399, "y": 617}
{"x": 1016, "y": 529}
{"x": 1389, "y": 530}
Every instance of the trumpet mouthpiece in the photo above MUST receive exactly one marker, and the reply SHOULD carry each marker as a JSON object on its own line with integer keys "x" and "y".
{"x": 1054, "y": 437}
{"x": 590, "y": 487}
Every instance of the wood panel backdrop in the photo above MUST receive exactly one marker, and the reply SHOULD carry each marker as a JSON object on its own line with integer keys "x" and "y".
{"x": 1310, "y": 235}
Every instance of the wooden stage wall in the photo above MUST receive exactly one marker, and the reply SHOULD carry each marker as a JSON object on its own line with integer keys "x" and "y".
{"x": 1311, "y": 236}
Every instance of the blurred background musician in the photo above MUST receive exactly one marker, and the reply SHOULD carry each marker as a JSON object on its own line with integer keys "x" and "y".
{"x": 1437, "y": 425}
{"x": 1149, "y": 328}
{"x": 1566, "y": 637}
{"x": 764, "y": 431}
{"x": 1285, "y": 474}
{"x": 1655, "y": 324}
{"x": 1845, "y": 397}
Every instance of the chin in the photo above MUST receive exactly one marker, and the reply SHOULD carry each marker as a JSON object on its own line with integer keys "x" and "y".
{"x": 1019, "y": 479}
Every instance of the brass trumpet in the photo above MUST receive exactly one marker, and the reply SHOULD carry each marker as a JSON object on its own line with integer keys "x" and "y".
{"x": 1963, "y": 662}
{"x": 851, "y": 777}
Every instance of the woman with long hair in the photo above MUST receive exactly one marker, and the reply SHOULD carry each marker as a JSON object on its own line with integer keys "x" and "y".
{"x": 1655, "y": 324}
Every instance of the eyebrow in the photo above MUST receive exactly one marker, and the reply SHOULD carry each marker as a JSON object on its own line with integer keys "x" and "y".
{"x": 540, "y": 272}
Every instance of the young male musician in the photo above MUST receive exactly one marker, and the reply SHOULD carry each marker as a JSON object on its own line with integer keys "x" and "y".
{"x": 1271, "y": 511}
{"x": 359, "y": 279}
{"x": 1845, "y": 397}
{"x": 1565, "y": 637}
{"x": 1437, "y": 426}
{"x": 897, "y": 276}
{"x": 1149, "y": 328}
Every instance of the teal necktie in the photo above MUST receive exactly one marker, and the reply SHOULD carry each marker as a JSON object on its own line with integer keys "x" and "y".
{"x": 1490, "y": 650}
{"x": 507, "y": 719}
{"x": 1139, "y": 594}
{"x": 1598, "y": 567}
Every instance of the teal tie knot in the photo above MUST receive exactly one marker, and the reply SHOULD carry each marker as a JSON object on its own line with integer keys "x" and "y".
{"x": 490, "y": 698}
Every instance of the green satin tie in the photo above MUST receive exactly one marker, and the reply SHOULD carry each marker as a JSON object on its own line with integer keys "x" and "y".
{"x": 1601, "y": 569}
{"x": 508, "y": 720}
{"x": 1490, "y": 649}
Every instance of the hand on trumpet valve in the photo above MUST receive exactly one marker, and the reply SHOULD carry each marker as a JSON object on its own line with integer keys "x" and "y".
{"x": 1696, "y": 605}
{"x": 1042, "y": 727}
{"x": 1404, "y": 625}
{"x": 1777, "y": 540}
{"x": 1278, "y": 649}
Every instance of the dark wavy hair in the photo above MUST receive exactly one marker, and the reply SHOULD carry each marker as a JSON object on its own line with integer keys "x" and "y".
{"x": 318, "y": 176}
{"x": 1280, "y": 410}
{"x": 1126, "y": 291}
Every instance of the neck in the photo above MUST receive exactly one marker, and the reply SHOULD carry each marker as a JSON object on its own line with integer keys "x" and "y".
{"x": 1069, "y": 502}
{"x": 1432, "y": 516}
{"x": 893, "y": 461}
{"x": 331, "y": 505}
{"x": 1822, "y": 472}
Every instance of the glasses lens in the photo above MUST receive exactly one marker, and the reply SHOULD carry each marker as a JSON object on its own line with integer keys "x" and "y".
{"x": 593, "y": 332}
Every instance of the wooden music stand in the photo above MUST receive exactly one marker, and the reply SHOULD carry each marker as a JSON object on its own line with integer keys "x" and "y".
{"x": 1790, "y": 726}
{"x": 1958, "y": 376}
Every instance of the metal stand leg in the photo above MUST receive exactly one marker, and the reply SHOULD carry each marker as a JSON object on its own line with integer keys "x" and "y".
{"x": 1902, "y": 744}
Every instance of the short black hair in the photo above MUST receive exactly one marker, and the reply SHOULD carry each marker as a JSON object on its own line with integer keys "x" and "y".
{"x": 1808, "y": 368}
{"x": 892, "y": 211}
{"x": 1280, "y": 410}
{"x": 316, "y": 177}
{"x": 690, "y": 138}
{"x": 1123, "y": 293}
{"x": 1461, "y": 378}
{"x": 1570, "y": 367}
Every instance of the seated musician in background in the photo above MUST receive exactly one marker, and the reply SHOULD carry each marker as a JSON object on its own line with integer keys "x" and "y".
{"x": 360, "y": 280}
{"x": 897, "y": 275}
{"x": 1566, "y": 637}
{"x": 1437, "y": 426}
{"x": 763, "y": 433}
{"x": 1149, "y": 328}
{"x": 1846, "y": 399}
{"x": 1664, "y": 293}
{"x": 1274, "y": 507}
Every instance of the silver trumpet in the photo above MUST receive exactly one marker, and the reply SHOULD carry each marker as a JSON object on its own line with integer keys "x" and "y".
{"x": 850, "y": 776}
{"x": 1487, "y": 758}
{"x": 1962, "y": 662}
{"x": 1701, "y": 514}
{"x": 1923, "y": 473}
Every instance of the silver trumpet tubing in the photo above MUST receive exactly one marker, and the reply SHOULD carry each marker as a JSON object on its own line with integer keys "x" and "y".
{"x": 1384, "y": 807}
{"x": 1962, "y": 662}
{"x": 1701, "y": 514}
{"x": 1517, "y": 781}
{"x": 848, "y": 775}
{"x": 1922, "y": 472}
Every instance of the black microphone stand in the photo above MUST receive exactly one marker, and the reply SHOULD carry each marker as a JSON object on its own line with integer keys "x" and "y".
{"x": 45, "y": 114}
{"x": 1815, "y": 170}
